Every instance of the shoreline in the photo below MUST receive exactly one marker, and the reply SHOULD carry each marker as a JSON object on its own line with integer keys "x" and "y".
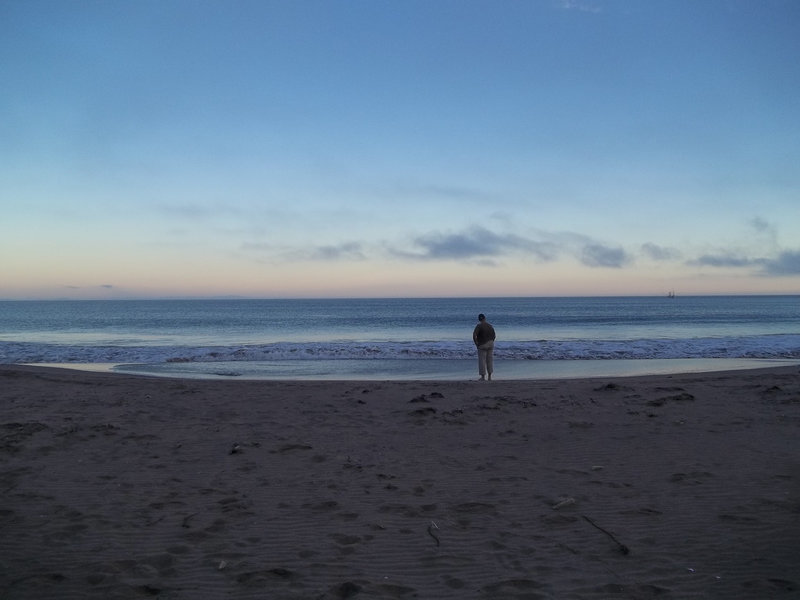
{"x": 422, "y": 370}
{"x": 118, "y": 485}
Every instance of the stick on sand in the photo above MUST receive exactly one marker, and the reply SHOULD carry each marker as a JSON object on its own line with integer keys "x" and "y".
{"x": 621, "y": 547}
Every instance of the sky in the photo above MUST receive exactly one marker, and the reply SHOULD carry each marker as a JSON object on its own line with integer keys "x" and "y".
{"x": 406, "y": 148}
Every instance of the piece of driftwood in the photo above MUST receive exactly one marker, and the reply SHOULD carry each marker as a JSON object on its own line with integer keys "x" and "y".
{"x": 620, "y": 546}
{"x": 431, "y": 527}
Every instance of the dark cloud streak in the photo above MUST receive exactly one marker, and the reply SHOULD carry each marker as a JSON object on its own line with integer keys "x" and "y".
{"x": 345, "y": 251}
{"x": 722, "y": 261}
{"x": 657, "y": 252}
{"x": 476, "y": 244}
{"x": 351, "y": 251}
{"x": 598, "y": 255}
{"x": 786, "y": 263}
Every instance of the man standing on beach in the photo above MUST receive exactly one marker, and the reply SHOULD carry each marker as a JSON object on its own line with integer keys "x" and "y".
{"x": 483, "y": 336}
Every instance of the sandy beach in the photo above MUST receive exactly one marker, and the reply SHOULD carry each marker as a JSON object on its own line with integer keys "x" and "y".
{"x": 669, "y": 486}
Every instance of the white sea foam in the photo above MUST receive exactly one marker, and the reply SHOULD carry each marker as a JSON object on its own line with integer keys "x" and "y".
{"x": 767, "y": 346}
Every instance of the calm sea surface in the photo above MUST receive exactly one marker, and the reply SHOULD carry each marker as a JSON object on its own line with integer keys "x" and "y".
{"x": 404, "y": 338}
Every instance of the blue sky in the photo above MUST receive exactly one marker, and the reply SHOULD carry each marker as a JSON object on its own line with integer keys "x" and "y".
{"x": 398, "y": 148}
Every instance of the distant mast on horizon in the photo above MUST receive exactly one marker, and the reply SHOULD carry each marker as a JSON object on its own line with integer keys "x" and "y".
{"x": 671, "y": 294}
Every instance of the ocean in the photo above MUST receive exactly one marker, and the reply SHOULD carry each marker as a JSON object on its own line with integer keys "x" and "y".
{"x": 403, "y": 338}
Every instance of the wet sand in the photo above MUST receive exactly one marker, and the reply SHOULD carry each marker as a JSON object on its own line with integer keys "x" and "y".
{"x": 664, "y": 486}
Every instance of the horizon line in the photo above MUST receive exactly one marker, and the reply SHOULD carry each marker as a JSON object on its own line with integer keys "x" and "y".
{"x": 432, "y": 297}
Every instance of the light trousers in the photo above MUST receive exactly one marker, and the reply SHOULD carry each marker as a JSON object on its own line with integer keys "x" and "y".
{"x": 486, "y": 358}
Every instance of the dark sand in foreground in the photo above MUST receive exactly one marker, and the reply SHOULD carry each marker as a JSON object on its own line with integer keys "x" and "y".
{"x": 669, "y": 486}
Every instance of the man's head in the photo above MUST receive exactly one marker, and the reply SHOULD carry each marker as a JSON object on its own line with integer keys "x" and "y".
{"x": 481, "y": 317}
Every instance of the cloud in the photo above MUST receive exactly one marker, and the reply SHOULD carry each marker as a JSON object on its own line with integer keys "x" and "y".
{"x": 599, "y": 255}
{"x": 787, "y": 263}
{"x": 771, "y": 260}
{"x": 188, "y": 210}
{"x": 762, "y": 226}
{"x": 448, "y": 191}
{"x": 589, "y": 7}
{"x": 478, "y": 243}
{"x": 436, "y": 191}
{"x": 657, "y": 252}
{"x": 724, "y": 260}
{"x": 765, "y": 234}
{"x": 330, "y": 252}
{"x": 485, "y": 247}
{"x": 345, "y": 251}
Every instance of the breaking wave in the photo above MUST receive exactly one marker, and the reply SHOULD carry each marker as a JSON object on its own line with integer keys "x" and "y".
{"x": 764, "y": 346}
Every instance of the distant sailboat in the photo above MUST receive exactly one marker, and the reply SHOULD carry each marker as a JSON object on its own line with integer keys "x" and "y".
{"x": 671, "y": 294}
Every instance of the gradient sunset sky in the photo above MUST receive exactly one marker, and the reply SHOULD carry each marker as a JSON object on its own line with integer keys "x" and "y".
{"x": 334, "y": 148}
